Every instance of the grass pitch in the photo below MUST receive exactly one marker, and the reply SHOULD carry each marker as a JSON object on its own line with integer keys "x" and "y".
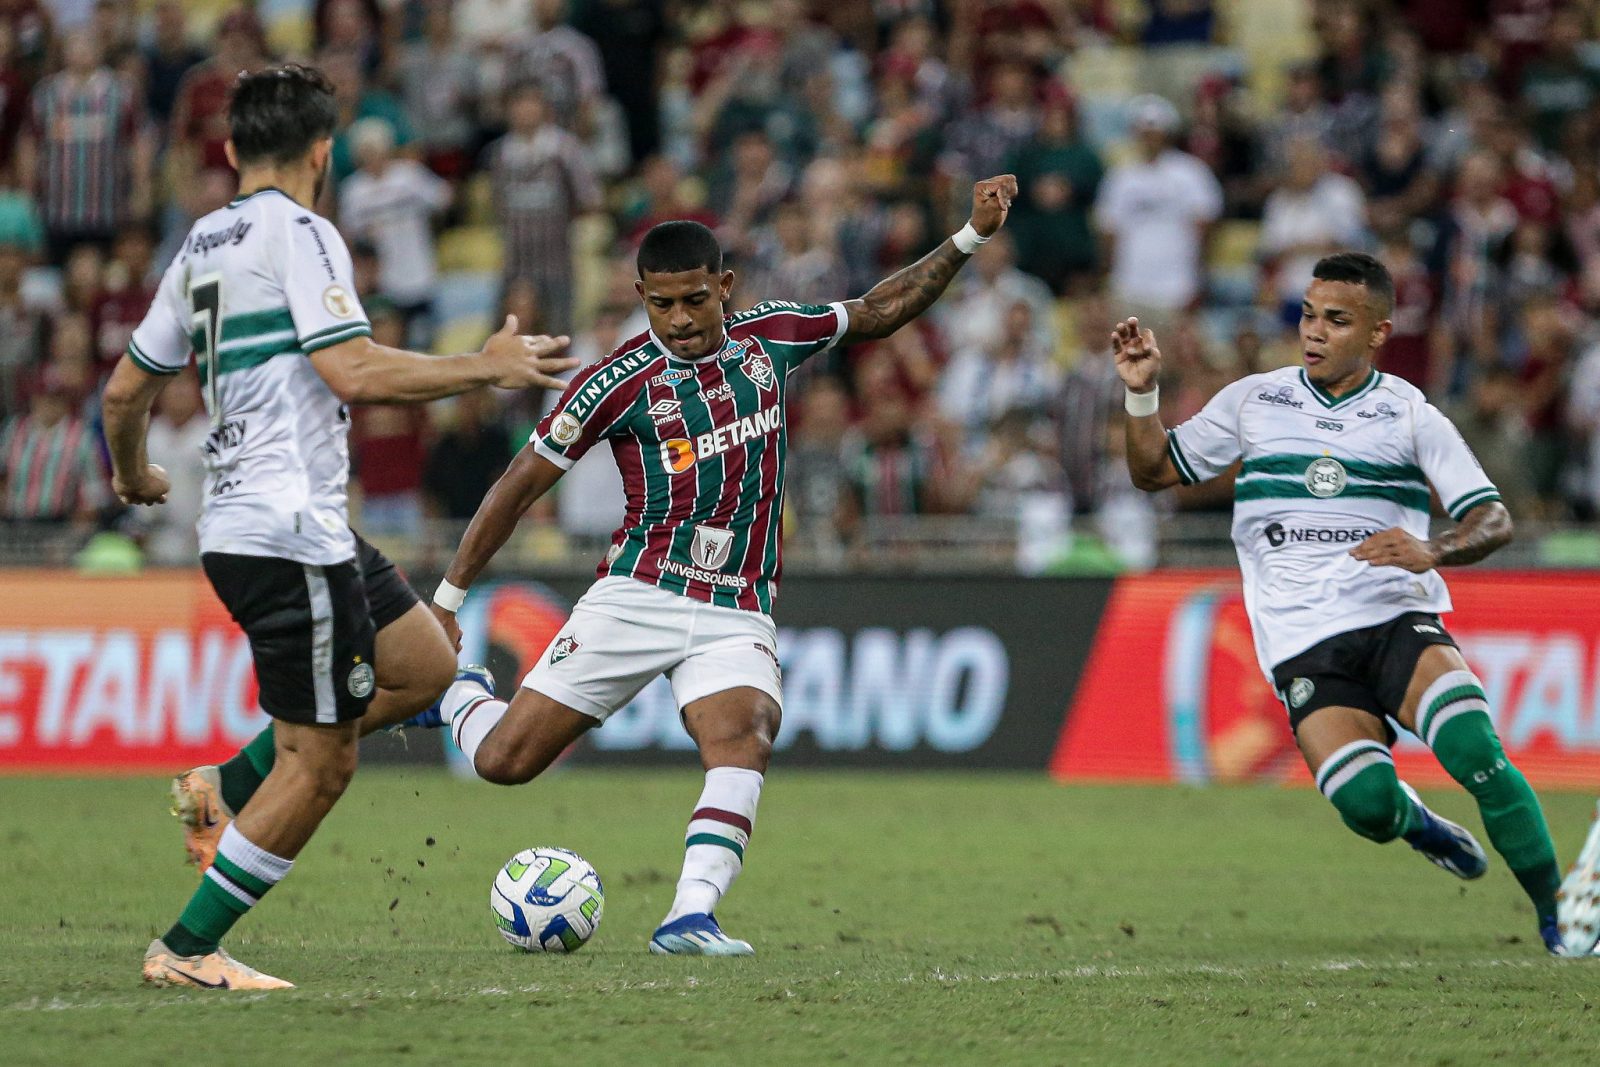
{"x": 949, "y": 919}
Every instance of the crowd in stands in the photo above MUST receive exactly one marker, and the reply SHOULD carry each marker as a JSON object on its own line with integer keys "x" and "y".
{"x": 1183, "y": 160}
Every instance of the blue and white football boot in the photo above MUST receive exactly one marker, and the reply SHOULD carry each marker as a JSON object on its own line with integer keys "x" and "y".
{"x": 1446, "y": 844}
{"x": 432, "y": 718}
{"x": 1577, "y": 926}
{"x": 697, "y": 934}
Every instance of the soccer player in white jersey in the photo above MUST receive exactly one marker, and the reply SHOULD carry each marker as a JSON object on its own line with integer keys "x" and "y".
{"x": 693, "y": 410}
{"x": 262, "y": 296}
{"x": 1341, "y": 578}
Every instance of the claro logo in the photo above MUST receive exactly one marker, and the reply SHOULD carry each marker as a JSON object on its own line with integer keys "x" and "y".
{"x": 1278, "y": 535}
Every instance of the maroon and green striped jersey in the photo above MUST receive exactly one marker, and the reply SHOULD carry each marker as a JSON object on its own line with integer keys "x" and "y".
{"x": 701, "y": 445}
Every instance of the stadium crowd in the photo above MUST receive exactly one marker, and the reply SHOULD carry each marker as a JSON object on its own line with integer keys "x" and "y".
{"x": 1183, "y": 160}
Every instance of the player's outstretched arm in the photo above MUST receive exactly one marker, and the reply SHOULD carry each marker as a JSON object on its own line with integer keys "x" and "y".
{"x": 361, "y": 372}
{"x": 529, "y": 477}
{"x": 910, "y": 291}
{"x": 125, "y": 410}
{"x": 1139, "y": 366}
{"x": 1486, "y": 528}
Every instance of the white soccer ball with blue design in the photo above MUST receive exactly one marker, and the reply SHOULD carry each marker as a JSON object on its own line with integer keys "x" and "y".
{"x": 547, "y": 900}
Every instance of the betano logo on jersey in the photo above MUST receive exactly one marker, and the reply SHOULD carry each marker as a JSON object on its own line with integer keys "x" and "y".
{"x": 678, "y": 454}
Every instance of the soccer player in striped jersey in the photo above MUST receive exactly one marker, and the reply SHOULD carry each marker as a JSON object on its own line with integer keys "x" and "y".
{"x": 693, "y": 410}
{"x": 1341, "y": 578}
{"x": 262, "y": 298}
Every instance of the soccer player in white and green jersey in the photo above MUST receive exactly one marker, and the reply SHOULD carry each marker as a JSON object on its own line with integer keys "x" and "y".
{"x": 261, "y": 297}
{"x": 693, "y": 410}
{"x": 1341, "y": 578}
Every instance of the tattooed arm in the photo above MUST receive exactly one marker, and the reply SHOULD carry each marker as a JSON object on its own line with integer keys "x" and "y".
{"x": 909, "y": 292}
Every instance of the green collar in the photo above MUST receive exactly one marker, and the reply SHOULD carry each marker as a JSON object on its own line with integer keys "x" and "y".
{"x": 236, "y": 201}
{"x": 1328, "y": 400}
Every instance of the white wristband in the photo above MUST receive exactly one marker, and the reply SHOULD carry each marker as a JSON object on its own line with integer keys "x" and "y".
{"x": 967, "y": 240}
{"x": 449, "y": 597}
{"x": 1141, "y": 404}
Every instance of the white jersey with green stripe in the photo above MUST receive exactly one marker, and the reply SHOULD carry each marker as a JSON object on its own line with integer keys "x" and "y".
{"x": 701, "y": 446}
{"x": 1320, "y": 474}
{"x": 260, "y": 285}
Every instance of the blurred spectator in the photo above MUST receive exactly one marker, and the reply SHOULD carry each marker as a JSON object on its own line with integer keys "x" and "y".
{"x": 890, "y": 467}
{"x": 85, "y": 152}
{"x": 1559, "y": 85}
{"x": 1412, "y": 349}
{"x": 1304, "y": 114}
{"x": 1008, "y": 374}
{"x": 129, "y": 289}
{"x": 1546, "y": 366}
{"x": 1178, "y": 22}
{"x": 978, "y": 142}
{"x": 1399, "y": 178}
{"x": 752, "y": 185}
{"x": 439, "y": 83}
{"x": 1222, "y": 138}
{"x": 24, "y": 330}
{"x": 32, "y": 40}
{"x": 466, "y": 459}
{"x": 358, "y": 99}
{"x": 51, "y": 474}
{"x": 1058, "y": 175}
{"x": 1089, "y": 393}
{"x": 563, "y": 61}
{"x": 1153, "y": 214}
{"x": 975, "y": 314}
{"x": 391, "y": 204}
{"x": 1477, "y": 223}
{"x": 1490, "y": 419}
{"x": 83, "y": 279}
{"x": 1021, "y": 482}
{"x": 628, "y": 33}
{"x": 660, "y": 197}
{"x": 793, "y": 261}
{"x": 389, "y": 451}
{"x": 818, "y": 478}
{"x": 353, "y": 27}
{"x": 178, "y": 433}
{"x": 13, "y": 100}
{"x": 199, "y": 128}
{"x": 168, "y": 57}
{"x": 540, "y": 182}
{"x": 1313, "y": 213}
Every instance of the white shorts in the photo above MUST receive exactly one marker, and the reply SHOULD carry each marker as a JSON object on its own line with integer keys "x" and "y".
{"x": 623, "y": 633}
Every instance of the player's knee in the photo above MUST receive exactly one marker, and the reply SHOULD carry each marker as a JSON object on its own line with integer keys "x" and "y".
{"x": 1374, "y": 814}
{"x": 1469, "y": 750}
{"x": 503, "y": 765}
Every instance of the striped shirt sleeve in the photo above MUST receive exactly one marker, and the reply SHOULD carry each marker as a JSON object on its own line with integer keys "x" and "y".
{"x": 792, "y": 332}
{"x": 160, "y": 343}
{"x": 1449, "y": 464}
{"x": 319, "y": 284}
{"x": 590, "y": 409}
{"x": 1208, "y": 444}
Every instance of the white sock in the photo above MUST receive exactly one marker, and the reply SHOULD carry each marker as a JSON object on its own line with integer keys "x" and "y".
{"x": 714, "y": 846}
{"x": 472, "y": 711}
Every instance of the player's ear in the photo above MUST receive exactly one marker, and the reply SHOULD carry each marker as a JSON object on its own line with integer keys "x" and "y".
{"x": 320, "y": 153}
{"x": 638, "y": 287}
{"x": 232, "y": 154}
{"x": 725, "y": 285}
{"x": 1381, "y": 332}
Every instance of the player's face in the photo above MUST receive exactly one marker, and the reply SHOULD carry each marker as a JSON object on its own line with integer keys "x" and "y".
{"x": 1340, "y": 332}
{"x": 685, "y": 309}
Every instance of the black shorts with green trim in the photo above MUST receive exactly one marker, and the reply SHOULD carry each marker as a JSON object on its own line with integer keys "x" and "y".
{"x": 1369, "y": 669}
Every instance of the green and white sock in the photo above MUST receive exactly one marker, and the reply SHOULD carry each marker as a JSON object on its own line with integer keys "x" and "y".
{"x": 1454, "y": 722}
{"x": 243, "y": 774}
{"x": 1360, "y": 781}
{"x": 233, "y": 885}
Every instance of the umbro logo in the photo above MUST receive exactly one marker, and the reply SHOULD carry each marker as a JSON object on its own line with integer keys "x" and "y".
{"x": 664, "y": 410}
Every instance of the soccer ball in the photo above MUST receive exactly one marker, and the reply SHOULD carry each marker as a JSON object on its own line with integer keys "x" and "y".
{"x": 547, "y": 900}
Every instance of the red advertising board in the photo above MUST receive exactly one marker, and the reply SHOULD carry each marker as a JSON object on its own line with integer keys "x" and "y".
{"x": 125, "y": 674}
{"x": 1172, "y": 691}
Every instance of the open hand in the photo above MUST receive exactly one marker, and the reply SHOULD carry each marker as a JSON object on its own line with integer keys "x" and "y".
{"x": 991, "y": 200}
{"x": 522, "y": 362}
{"x": 1138, "y": 358}
{"x": 149, "y": 486}
{"x": 1396, "y": 548}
